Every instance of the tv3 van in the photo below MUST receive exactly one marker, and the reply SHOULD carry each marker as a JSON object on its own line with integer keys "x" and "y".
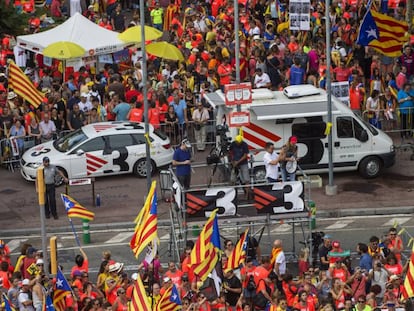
{"x": 301, "y": 110}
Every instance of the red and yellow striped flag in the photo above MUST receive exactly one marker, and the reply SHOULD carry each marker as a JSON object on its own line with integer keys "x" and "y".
{"x": 238, "y": 255}
{"x": 22, "y": 86}
{"x": 139, "y": 300}
{"x": 408, "y": 288}
{"x": 146, "y": 223}
{"x": 170, "y": 300}
{"x": 76, "y": 210}
{"x": 392, "y": 35}
{"x": 206, "y": 251}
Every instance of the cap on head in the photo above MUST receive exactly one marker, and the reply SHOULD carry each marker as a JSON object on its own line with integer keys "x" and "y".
{"x": 26, "y": 282}
{"x": 238, "y": 139}
{"x": 336, "y": 244}
{"x": 293, "y": 139}
{"x": 186, "y": 142}
{"x": 46, "y": 159}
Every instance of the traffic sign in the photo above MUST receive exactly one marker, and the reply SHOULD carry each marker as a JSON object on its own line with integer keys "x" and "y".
{"x": 237, "y": 94}
{"x": 238, "y": 119}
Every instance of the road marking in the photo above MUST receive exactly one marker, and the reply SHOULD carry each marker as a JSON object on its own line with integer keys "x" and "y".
{"x": 396, "y": 220}
{"x": 13, "y": 244}
{"x": 340, "y": 224}
{"x": 282, "y": 228}
{"x": 165, "y": 237}
{"x": 120, "y": 237}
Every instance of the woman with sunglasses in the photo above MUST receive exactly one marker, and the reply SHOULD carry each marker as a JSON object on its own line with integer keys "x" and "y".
{"x": 121, "y": 302}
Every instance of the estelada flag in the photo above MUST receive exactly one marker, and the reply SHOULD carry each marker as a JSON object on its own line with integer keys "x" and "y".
{"x": 22, "y": 86}
{"x": 75, "y": 210}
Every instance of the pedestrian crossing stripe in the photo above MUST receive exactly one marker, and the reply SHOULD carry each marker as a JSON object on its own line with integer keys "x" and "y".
{"x": 396, "y": 220}
{"x": 120, "y": 237}
{"x": 340, "y": 224}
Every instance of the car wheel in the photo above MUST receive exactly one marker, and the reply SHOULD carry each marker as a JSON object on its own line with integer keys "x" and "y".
{"x": 140, "y": 168}
{"x": 58, "y": 179}
{"x": 370, "y": 167}
{"x": 260, "y": 174}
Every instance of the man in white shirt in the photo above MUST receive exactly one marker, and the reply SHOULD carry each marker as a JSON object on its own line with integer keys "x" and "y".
{"x": 85, "y": 105}
{"x": 280, "y": 261}
{"x": 47, "y": 128}
{"x": 200, "y": 118}
{"x": 261, "y": 79}
{"x": 271, "y": 161}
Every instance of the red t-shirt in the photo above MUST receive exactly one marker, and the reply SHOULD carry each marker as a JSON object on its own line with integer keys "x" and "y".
{"x": 83, "y": 268}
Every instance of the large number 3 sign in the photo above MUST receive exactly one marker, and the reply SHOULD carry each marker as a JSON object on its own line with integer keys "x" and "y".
{"x": 201, "y": 203}
{"x": 279, "y": 198}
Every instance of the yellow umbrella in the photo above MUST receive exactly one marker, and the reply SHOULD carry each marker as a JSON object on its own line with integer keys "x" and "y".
{"x": 165, "y": 50}
{"x": 133, "y": 34}
{"x": 63, "y": 50}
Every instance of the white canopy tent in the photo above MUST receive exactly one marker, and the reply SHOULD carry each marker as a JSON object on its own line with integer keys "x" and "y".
{"x": 78, "y": 29}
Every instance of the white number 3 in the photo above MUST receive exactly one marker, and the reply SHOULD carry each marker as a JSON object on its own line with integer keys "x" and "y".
{"x": 224, "y": 201}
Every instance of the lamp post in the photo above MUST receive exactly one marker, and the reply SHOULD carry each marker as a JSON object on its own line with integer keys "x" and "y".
{"x": 145, "y": 93}
{"x": 330, "y": 189}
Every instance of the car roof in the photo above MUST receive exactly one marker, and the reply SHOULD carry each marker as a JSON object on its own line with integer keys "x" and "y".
{"x": 105, "y": 128}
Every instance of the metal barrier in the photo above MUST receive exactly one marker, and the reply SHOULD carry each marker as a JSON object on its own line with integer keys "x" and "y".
{"x": 187, "y": 214}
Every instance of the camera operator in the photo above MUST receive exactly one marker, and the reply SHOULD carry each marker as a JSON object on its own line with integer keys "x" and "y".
{"x": 378, "y": 275}
{"x": 238, "y": 155}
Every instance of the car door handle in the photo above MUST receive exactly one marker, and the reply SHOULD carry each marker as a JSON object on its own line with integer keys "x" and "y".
{"x": 336, "y": 144}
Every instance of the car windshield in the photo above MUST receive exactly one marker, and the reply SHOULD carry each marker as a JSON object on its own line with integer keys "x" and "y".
{"x": 69, "y": 141}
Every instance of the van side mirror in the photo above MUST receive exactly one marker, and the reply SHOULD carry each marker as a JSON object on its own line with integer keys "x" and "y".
{"x": 79, "y": 152}
{"x": 364, "y": 136}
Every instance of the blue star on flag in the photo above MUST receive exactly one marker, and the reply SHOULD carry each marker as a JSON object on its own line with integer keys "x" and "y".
{"x": 175, "y": 297}
{"x": 368, "y": 30}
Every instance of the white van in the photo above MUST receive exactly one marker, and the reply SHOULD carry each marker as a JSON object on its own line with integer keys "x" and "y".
{"x": 301, "y": 110}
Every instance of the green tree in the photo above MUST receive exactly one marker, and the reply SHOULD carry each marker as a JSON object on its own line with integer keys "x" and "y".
{"x": 11, "y": 22}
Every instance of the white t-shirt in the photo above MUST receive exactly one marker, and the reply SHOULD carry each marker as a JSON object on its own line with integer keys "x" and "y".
{"x": 272, "y": 170}
{"x": 86, "y": 106}
{"x": 261, "y": 81}
{"x": 281, "y": 260}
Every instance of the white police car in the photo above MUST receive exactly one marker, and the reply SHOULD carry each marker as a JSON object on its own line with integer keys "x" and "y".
{"x": 100, "y": 149}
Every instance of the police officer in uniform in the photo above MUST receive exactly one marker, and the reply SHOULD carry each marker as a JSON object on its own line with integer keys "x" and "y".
{"x": 50, "y": 171}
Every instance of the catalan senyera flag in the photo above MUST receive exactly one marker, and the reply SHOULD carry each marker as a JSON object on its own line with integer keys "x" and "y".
{"x": 238, "y": 255}
{"x": 408, "y": 288}
{"x": 139, "y": 300}
{"x": 382, "y": 32}
{"x": 170, "y": 300}
{"x": 62, "y": 289}
{"x": 22, "y": 86}
{"x": 206, "y": 251}
{"x": 146, "y": 223}
{"x": 75, "y": 210}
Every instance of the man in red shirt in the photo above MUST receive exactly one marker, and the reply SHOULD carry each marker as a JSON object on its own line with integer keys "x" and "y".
{"x": 261, "y": 278}
{"x": 174, "y": 274}
{"x": 342, "y": 73}
{"x": 224, "y": 71}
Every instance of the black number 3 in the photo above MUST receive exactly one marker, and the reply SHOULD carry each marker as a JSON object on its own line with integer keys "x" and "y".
{"x": 123, "y": 155}
{"x": 38, "y": 153}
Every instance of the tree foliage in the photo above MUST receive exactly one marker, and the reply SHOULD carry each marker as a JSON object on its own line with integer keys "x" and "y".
{"x": 11, "y": 22}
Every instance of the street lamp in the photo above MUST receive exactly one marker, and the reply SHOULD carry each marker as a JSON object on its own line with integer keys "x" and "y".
{"x": 330, "y": 189}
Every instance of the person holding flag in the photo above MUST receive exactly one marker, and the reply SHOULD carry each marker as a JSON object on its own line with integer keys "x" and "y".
{"x": 62, "y": 289}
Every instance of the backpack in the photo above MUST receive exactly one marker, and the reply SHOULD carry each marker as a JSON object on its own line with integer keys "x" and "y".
{"x": 251, "y": 285}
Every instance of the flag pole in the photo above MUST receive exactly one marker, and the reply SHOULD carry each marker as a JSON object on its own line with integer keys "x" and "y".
{"x": 74, "y": 232}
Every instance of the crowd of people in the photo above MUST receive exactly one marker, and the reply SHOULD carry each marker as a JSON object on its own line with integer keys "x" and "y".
{"x": 271, "y": 56}
{"x": 260, "y": 283}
